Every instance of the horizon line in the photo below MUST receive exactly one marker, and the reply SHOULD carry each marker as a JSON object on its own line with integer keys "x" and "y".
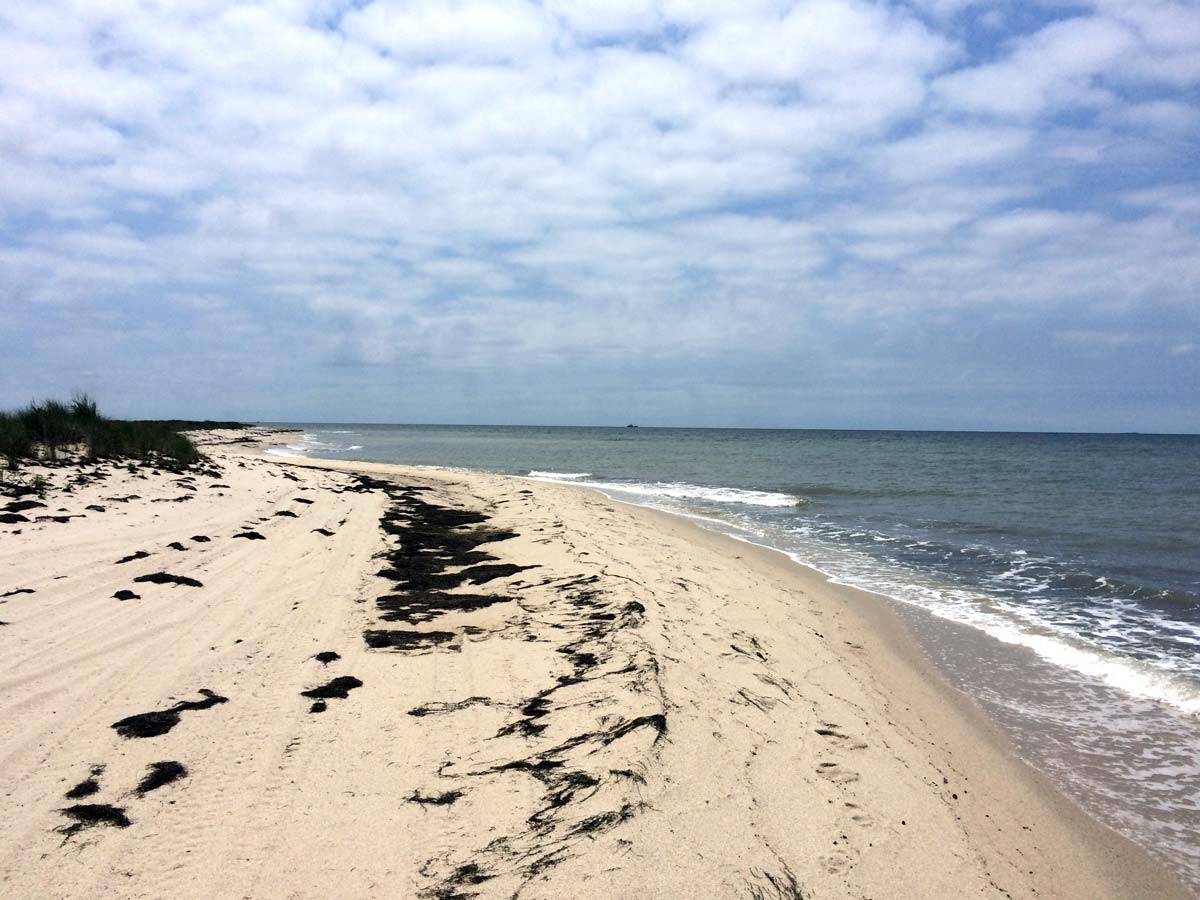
{"x": 637, "y": 426}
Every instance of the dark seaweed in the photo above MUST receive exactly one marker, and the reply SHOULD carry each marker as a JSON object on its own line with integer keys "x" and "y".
{"x": 200, "y": 538}
{"x": 87, "y": 787}
{"x": 127, "y": 595}
{"x": 16, "y": 591}
{"x": 167, "y": 578}
{"x": 423, "y": 607}
{"x": 175, "y": 545}
{"x": 141, "y": 554}
{"x": 430, "y": 540}
{"x": 433, "y": 708}
{"x": 323, "y": 531}
{"x": 160, "y": 774}
{"x": 426, "y": 577}
{"x": 435, "y": 551}
{"x": 152, "y": 724}
{"x": 606, "y": 820}
{"x": 446, "y": 799}
{"x": 251, "y": 536}
{"x": 340, "y": 688}
{"x": 395, "y": 639}
{"x": 565, "y": 787}
{"x": 327, "y": 656}
{"x": 483, "y": 574}
{"x": 774, "y": 887}
{"x": 88, "y": 815}
{"x": 537, "y": 708}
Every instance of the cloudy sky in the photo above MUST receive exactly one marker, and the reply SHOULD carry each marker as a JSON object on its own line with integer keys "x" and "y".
{"x": 932, "y": 213}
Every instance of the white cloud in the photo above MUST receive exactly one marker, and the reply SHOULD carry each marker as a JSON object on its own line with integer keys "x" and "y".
{"x": 1056, "y": 67}
{"x": 423, "y": 179}
{"x": 819, "y": 45}
{"x": 1165, "y": 117}
{"x": 606, "y": 18}
{"x": 946, "y": 149}
{"x": 480, "y": 30}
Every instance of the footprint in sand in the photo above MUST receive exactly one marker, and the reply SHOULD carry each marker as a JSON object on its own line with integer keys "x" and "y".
{"x": 858, "y": 816}
{"x": 835, "y": 863}
{"x": 830, "y": 731}
{"x": 836, "y": 773}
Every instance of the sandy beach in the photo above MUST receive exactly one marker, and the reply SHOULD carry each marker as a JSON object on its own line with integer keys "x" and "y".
{"x": 353, "y": 680}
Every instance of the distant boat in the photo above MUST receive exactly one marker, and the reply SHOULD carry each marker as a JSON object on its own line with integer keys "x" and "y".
{"x": 631, "y": 426}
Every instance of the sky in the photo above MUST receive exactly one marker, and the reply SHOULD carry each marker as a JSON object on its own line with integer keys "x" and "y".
{"x": 836, "y": 213}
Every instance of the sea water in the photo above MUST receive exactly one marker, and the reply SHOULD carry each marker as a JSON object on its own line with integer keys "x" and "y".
{"x": 1073, "y": 560}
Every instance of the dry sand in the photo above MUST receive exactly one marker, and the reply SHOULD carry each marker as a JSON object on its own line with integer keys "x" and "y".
{"x": 651, "y": 710}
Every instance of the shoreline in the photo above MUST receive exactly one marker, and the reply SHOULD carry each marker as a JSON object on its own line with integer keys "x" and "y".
{"x": 1109, "y": 732}
{"x": 928, "y": 693}
{"x": 608, "y": 701}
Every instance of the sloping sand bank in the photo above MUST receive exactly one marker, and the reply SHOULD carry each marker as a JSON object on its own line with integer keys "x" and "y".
{"x": 372, "y": 681}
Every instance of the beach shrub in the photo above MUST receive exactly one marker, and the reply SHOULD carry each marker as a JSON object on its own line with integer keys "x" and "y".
{"x": 47, "y": 428}
{"x": 144, "y": 440}
{"x": 15, "y": 442}
{"x": 51, "y": 425}
{"x": 84, "y": 409}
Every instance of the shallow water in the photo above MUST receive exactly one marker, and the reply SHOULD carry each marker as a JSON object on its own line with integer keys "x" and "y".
{"x": 1080, "y": 554}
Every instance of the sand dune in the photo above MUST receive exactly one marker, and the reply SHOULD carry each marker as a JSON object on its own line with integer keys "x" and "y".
{"x": 336, "y": 681}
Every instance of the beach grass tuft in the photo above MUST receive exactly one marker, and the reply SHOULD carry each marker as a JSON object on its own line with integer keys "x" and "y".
{"x": 42, "y": 431}
{"x": 15, "y": 442}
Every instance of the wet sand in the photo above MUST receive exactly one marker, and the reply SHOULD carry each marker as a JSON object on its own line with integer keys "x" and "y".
{"x": 335, "y": 680}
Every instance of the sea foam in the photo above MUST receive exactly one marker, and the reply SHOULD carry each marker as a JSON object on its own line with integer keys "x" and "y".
{"x": 670, "y": 490}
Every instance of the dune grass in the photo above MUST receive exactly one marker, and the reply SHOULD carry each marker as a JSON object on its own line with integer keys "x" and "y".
{"x": 42, "y": 431}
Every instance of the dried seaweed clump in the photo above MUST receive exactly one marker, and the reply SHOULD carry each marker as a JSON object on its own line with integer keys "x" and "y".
{"x": 89, "y": 815}
{"x": 160, "y": 774}
{"x": 152, "y": 724}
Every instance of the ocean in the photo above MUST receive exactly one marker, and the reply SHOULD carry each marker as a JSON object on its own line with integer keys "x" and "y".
{"x": 1053, "y": 577}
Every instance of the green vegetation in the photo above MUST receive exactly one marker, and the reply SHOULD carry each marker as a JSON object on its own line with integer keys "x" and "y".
{"x": 44, "y": 430}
